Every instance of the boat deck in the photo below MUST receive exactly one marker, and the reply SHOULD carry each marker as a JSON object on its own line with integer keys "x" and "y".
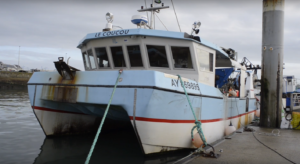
{"x": 244, "y": 148}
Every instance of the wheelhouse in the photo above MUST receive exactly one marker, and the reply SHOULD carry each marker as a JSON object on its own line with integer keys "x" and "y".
{"x": 141, "y": 49}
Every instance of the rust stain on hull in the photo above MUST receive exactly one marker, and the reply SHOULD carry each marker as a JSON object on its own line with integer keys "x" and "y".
{"x": 246, "y": 119}
{"x": 250, "y": 118}
{"x": 239, "y": 123}
{"x": 61, "y": 93}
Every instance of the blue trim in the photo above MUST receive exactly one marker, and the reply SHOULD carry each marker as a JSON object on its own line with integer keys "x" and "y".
{"x": 288, "y": 102}
{"x": 138, "y": 21}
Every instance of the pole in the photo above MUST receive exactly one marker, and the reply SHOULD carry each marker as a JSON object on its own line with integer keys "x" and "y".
{"x": 19, "y": 57}
{"x": 272, "y": 63}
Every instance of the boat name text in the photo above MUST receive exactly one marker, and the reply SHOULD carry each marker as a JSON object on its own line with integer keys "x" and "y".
{"x": 111, "y": 33}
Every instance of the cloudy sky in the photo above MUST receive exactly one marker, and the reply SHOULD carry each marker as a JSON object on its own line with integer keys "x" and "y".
{"x": 48, "y": 29}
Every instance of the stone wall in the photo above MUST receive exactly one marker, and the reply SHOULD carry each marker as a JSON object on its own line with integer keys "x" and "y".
{"x": 14, "y": 80}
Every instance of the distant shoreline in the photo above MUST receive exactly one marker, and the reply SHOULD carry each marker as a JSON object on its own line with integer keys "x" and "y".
{"x": 14, "y": 80}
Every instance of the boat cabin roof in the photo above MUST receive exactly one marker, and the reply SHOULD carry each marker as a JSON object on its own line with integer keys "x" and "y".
{"x": 145, "y": 33}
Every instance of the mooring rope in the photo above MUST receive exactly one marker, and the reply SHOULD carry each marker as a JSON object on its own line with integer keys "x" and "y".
{"x": 198, "y": 123}
{"x": 102, "y": 121}
{"x": 272, "y": 149}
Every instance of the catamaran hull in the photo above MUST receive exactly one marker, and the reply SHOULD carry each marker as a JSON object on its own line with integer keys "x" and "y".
{"x": 167, "y": 136}
{"x": 158, "y": 110}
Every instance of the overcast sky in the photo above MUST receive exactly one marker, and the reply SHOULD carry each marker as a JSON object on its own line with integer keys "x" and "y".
{"x": 48, "y": 29}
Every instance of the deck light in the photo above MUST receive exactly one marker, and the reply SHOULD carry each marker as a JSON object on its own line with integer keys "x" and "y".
{"x": 162, "y": 4}
{"x": 151, "y": 5}
{"x": 109, "y": 17}
{"x": 142, "y": 7}
{"x": 197, "y": 24}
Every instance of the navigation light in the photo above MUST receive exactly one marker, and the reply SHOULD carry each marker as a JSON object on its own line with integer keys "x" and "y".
{"x": 109, "y": 17}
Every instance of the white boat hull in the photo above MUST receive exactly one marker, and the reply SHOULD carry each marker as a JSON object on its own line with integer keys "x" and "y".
{"x": 158, "y": 111}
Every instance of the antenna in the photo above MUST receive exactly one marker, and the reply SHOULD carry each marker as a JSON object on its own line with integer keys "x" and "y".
{"x": 19, "y": 56}
{"x": 154, "y": 9}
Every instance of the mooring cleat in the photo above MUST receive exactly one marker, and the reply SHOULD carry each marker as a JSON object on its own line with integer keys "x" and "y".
{"x": 246, "y": 129}
{"x": 211, "y": 154}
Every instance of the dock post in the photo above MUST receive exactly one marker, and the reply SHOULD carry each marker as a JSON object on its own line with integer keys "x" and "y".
{"x": 272, "y": 62}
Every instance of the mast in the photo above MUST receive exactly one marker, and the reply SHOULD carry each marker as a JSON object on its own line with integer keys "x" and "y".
{"x": 153, "y": 9}
{"x": 152, "y": 14}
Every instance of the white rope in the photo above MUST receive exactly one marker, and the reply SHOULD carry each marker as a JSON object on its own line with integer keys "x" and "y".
{"x": 176, "y": 15}
{"x": 162, "y": 22}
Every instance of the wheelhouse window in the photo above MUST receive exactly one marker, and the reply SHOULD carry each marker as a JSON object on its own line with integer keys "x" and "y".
{"x": 182, "y": 57}
{"x": 205, "y": 60}
{"x": 135, "y": 58}
{"x": 86, "y": 61}
{"x": 211, "y": 62}
{"x": 92, "y": 59}
{"x": 118, "y": 56}
{"x": 157, "y": 56}
{"x": 102, "y": 57}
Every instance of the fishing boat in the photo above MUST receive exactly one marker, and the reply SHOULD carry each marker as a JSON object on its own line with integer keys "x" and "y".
{"x": 149, "y": 93}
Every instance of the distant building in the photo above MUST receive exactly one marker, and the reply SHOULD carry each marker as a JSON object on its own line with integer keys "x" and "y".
{"x": 35, "y": 70}
{"x": 9, "y": 67}
{"x": 1, "y": 64}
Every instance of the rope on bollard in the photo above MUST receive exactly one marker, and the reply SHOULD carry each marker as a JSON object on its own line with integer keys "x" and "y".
{"x": 198, "y": 123}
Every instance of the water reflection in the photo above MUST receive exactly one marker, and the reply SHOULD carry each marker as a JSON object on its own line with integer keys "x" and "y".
{"x": 23, "y": 141}
{"x": 112, "y": 147}
{"x": 20, "y": 134}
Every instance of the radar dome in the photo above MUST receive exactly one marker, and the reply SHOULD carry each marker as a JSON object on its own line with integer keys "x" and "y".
{"x": 137, "y": 19}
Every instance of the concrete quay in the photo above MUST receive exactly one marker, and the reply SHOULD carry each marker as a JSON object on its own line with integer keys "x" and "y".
{"x": 14, "y": 80}
{"x": 243, "y": 148}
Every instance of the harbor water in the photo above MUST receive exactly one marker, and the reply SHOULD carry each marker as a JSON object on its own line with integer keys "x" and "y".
{"x": 22, "y": 140}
